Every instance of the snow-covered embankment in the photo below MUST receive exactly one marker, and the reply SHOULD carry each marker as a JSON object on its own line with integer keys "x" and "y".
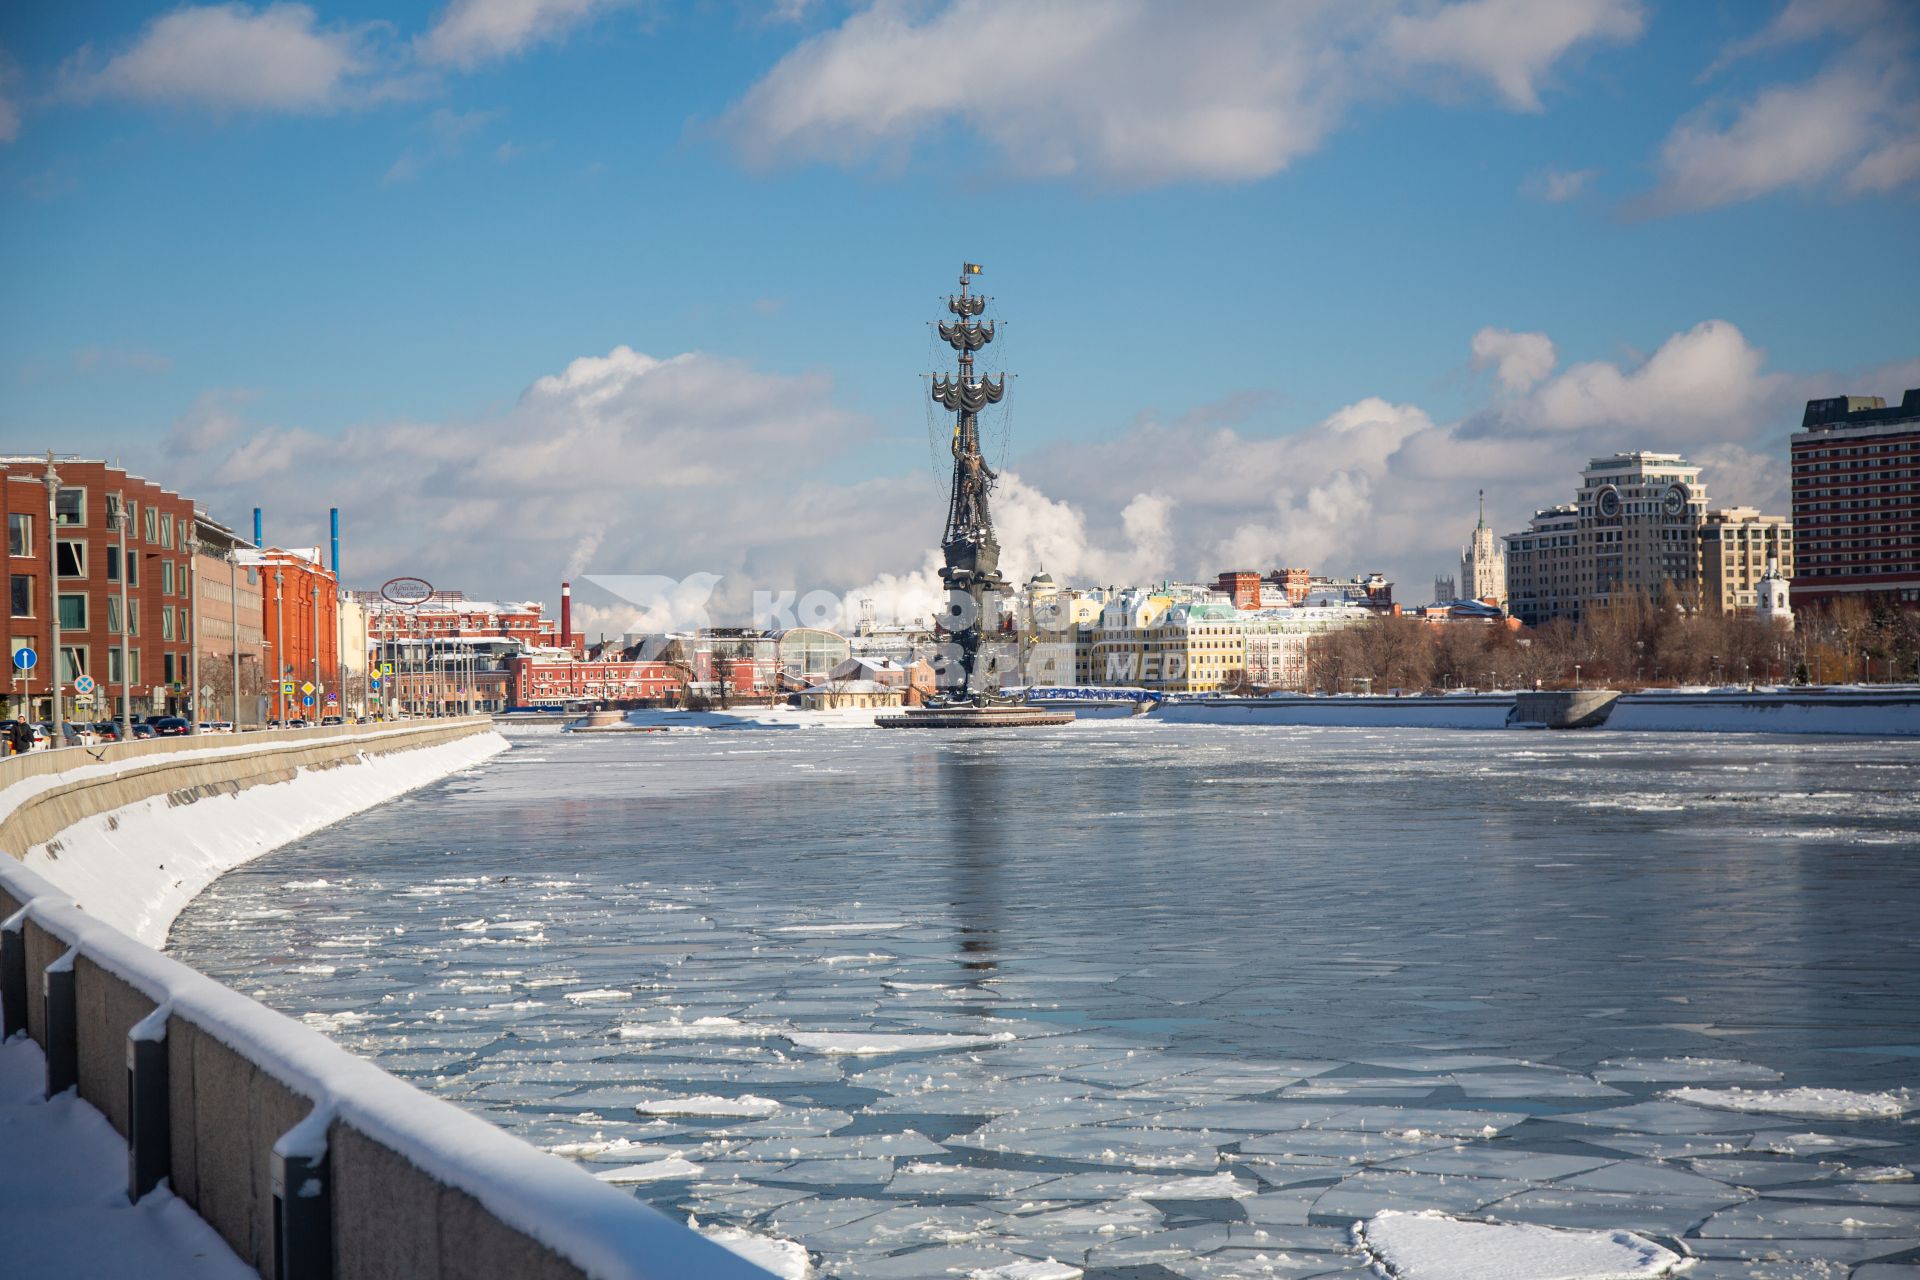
{"x": 137, "y": 867}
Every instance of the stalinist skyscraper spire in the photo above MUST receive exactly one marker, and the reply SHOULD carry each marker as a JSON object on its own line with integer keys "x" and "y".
{"x": 1483, "y": 563}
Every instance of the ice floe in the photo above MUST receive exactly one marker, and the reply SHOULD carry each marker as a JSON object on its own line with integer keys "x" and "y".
{"x": 708, "y": 1105}
{"x": 1799, "y": 1102}
{"x": 1435, "y": 1246}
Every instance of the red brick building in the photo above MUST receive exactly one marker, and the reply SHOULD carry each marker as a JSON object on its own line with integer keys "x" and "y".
{"x": 1856, "y": 500}
{"x": 70, "y": 565}
{"x": 538, "y": 680}
{"x": 299, "y": 621}
{"x": 449, "y": 615}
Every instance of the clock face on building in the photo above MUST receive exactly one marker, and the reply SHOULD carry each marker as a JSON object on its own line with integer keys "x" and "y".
{"x": 1675, "y": 503}
{"x": 1608, "y": 503}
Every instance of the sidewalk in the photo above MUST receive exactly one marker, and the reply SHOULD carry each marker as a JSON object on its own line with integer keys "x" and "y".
{"x": 63, "y": 1194}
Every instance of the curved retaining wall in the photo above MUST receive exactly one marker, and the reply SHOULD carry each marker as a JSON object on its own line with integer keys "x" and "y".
{"x": 309, "y": 1161}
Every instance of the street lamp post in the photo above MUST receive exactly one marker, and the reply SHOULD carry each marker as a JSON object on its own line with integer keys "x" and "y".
{"x": 318, "y": 706}
{"x": 52, "y": 481}
{"x": 233, "y": 600}
{"x": 280, "y": 644}
{"x": 191, "y": 545}
{"x": 126, "y": 626}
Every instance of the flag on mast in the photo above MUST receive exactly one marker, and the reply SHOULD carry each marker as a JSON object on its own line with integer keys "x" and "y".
{"x": 972, "y": 268}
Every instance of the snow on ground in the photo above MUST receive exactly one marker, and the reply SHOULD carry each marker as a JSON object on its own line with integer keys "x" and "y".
{"x": 137, "y": 868}
{"x": 1799, "y": 1102}
{"x": 63, "y": 1193}
{"x": 1434, "y": 1246}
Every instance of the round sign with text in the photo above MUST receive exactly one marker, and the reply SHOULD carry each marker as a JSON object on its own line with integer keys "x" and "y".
{"x": 407, "y": 590}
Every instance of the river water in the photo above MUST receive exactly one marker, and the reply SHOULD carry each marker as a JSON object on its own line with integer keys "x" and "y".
{"x": 1151, "y": 1000}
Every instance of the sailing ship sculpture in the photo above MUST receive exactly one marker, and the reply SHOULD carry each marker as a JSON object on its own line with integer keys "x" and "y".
{"x": 971, "y": 567}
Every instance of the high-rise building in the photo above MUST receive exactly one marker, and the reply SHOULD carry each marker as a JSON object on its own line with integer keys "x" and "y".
{"x": 1736, "y": 546}
{"x": 1640, "y": 515}
{"x": 1483, "y": 564}
{"x": 1856, "y": 499}
{"x": 1542, "y": 563}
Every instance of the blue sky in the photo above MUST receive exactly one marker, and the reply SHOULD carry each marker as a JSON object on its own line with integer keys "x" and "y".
{"x": 261, "y": 251}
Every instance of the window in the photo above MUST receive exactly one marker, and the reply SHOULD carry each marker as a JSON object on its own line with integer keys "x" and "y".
{"x": 72, "y": 558}
{"x": 70, "y": 507}
{"x": 166, "y": 577}
{"x": 22, "y": 595}
{"x": 19, "y": 534}
{"x": 166, "y": 532}
{"x": 133, "y": 568}
{"x": 113, "y": 615}
{"x": 114, "y": 674}
{"x": 134, "y": 654}
{"x": 113, "y": 564}
{"x": 153, "y": 525}
{"x": 73, "y": 662}
{"x": 170, "y": 662}
{"x": 113, "y": 509}
{"x": 166, "y": 622}
{"x": 73, "y": 611}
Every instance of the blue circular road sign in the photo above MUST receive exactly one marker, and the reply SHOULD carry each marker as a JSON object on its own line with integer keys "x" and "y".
{"x": 25, "y": 658}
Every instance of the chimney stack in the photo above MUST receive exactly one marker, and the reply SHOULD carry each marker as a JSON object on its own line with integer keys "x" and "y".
{"x": 566, "y": 615}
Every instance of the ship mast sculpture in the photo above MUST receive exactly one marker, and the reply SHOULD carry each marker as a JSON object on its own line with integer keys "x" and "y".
{"x": 971, "y": 568}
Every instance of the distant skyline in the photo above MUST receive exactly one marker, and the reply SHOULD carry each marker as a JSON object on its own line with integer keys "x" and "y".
{"x": 543, "y": 287}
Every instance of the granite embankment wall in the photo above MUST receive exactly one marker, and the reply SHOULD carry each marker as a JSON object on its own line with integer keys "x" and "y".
{"x": 309, "y": 1161}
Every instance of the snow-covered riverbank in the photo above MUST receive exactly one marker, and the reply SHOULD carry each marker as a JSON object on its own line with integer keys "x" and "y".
{"x": 138, "y": 866}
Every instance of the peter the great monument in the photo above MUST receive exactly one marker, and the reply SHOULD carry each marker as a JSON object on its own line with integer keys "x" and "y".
{"x": 971, "y": 570}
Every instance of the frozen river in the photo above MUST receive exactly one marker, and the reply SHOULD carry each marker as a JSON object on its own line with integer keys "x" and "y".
{"x": 1149, "y": 1000}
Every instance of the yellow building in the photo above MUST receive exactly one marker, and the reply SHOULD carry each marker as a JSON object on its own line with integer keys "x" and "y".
{"x": 1735, "y": 545}
{"x": 1197, "y": 648}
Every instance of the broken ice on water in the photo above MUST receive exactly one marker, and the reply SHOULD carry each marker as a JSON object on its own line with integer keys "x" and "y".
{"x": 1132, "y": 1032}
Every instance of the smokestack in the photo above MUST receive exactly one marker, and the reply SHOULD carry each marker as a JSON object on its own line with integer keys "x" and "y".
{"x": 333, "y": 518}
{"x": 566, "y": 615}
{"x": 256, "y": 527}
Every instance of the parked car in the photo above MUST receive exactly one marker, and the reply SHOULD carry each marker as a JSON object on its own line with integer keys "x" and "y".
{"x": 216, "y": 726}
{"x": 141, "y": 729}
{"x": 106, "y": 731}
{"x": 331, "y": 720}
{"x": 76, "y": 735}
{"x": 170, "y": 727}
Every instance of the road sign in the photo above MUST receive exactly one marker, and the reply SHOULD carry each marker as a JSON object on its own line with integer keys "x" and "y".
{"x": 286, "y": 686}
{"x": 332, "y": 698}
{"x": 373, "y": 677}
{"x": 307, "y": 688}
{"x": 83, "y": 685}
{"x": 206, "y": 691}
{"x": 306, "y": 700}
{"x": 386, "y": 668}
{"x": 25, "y": 658}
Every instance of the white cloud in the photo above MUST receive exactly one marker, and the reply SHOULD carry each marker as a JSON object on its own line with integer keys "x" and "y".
{"x": 469, "y": 32}
{"x": 1852, "y": 129}
{"x": 1511, "y": 43}
{"x": 1140, "y": 92}
{"x": 1701, "y": 384}
{"x": 229, "y": 57}
{"x": 1520, "y": 359}
{"x": 670, "y": 467}
{"x": 1560, "y": 186}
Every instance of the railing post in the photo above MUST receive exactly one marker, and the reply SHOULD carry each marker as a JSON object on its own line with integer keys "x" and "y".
{"x": 302, "y": 1213}
{"x": 63, "y": 1024}
{"x": 149, "y": 1122}
{"x": 13, "y": 974}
